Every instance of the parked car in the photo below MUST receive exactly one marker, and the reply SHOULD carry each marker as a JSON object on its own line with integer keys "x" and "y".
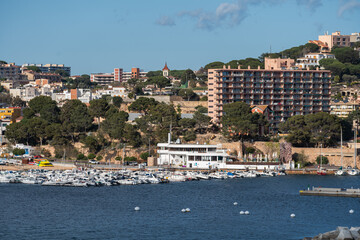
{"x": 92, "y": 161}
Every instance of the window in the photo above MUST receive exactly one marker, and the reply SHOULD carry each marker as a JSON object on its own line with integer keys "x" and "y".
{"x": 211, "y": 112}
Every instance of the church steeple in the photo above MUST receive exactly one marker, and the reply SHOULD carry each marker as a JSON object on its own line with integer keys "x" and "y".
{"x": 165, "y": 70}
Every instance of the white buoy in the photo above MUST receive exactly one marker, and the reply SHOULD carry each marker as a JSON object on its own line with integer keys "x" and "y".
{"x": 183, "y": 210}
{"x": 292, "y": 215}
{"x": 137, "y": 209}
{"x": 187, "y": 209}
{"x": 235, "y": 203}
{"x": 351, "y": 211}
{"x": 247, "y": 213}
{"x": 242, "y": 212}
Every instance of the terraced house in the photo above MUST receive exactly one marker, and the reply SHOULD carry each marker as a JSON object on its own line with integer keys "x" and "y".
{"x": 284, "y": 88}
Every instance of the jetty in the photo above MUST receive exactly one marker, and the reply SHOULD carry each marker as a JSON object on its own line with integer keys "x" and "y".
{"x": 332, "y": 192}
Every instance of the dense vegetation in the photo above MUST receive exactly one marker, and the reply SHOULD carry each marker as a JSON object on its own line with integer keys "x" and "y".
{"x": 316, "y": 129}
{"x": 346, "y": 66}
{"x": 101, "y": 125}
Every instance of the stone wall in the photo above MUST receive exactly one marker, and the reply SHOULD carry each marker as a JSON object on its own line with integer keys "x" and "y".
{"x": 333, "y": 154}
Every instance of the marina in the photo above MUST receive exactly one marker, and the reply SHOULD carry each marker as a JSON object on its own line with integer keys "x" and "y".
{"x": 109, "y": 212}
{"x": 94, "y": 177}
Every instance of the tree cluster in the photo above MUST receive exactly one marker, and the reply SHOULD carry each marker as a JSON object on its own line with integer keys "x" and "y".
{"x": 239, "y": 123}
{"x": 315, "y": 129}
{"x": 346, "y": 66}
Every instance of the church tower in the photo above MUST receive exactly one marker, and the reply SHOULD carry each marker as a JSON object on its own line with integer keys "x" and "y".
{"x": 165, "y": 71}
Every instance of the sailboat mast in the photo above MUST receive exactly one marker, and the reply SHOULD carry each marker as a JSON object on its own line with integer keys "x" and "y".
{"x": 355, "y": 140}
{"x": 341, "y": 148}
{"x": 320, "y": 156}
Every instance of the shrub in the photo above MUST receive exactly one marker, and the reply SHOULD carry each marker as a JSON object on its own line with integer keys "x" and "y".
{"x": 118, "y": 158}
{"x": 45, "y": 152}
{"x": 190, "y": 136}
{"x": 144, "y": 156}
{"x": 18, "y": 151}
{"x": 91, "y": 156}
{"x": 250, "y": 150}
{"x": 323, "y": 159}
{"x": 81, "y": 157}
{"x": 130, "y": 159}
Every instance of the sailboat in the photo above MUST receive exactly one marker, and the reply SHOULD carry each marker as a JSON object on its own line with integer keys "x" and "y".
{"x": 341, "y": 172}
{"x": 321, "y": 170}
{"x": 354, "y": 171}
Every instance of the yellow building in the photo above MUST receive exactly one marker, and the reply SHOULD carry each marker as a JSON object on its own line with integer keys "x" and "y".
{"x": 11, "y": 113}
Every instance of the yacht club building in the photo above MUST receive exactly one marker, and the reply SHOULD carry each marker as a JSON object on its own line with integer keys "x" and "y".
{"x": 191, "y": 155}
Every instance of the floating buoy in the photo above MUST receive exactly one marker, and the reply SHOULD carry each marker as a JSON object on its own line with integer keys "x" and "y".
{"x": 292, "y": 215}
{"x": 137, "y": 209}
{"x": 235, "y": 203}
{"x": 351, "y": 211}
{"x": 187, "y": 209}
{"x": 183, "y": 210}
{"x": 242, "y": 212}
{"x": 247, "y": 213}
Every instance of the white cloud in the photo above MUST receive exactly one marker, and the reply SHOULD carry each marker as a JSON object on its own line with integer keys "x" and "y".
{"x": 225, "y": 14}
{"x": 165, "y": 21}
{"x": 312, "y": 5}
{"x": 348, "y": 6}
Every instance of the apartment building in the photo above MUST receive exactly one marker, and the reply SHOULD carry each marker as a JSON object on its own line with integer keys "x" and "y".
{"x": 285, "y": 90}
{"x": 135, "y": 73}
{"x": 48, "y": 68}
{"x": 312, "y": 59}
{"x": 51, "y": 77}
{"x": 117, "y": 76}
{"x": 343, "y": 108}
{"x": 337, "y": 39}
{"x": 10, "y": 114}
{"x": 10, "y": 72}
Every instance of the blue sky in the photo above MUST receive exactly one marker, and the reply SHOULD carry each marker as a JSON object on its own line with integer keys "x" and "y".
{"x": 97, "y": 36}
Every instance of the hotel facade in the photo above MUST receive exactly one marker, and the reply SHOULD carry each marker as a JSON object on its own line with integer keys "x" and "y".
{"x": 117, "y": 76}
{"x": 285, "y": 89}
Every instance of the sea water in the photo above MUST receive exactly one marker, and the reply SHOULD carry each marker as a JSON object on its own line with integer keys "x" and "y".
{"x": 39, "y": 212}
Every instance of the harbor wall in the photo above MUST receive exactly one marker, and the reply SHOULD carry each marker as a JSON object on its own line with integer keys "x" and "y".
{"x": 333, "y": 154}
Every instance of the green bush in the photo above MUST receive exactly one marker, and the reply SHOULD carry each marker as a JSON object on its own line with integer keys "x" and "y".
{"x": 250, "y": 150}
{"x": 190, "y": 136}
{"x": 324, "y": 160}
{"x": 118, "y": 158}
{"x": 91, "y": 156}
{"x": 144, "y": 156}
{"x": 130, "y": 159}
{"x": 18, "y": 151}
{"x": 99, "y": 158}
{"x": 81, "y": 157}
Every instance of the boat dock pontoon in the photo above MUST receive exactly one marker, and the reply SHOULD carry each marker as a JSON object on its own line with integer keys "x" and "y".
{"x": 331, "y": 192}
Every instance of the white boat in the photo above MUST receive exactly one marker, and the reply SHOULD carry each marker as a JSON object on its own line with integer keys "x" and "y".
{"x": 353, "y": 172}
{"x": 176, "y": 178}
{"x": 340, "y": 172}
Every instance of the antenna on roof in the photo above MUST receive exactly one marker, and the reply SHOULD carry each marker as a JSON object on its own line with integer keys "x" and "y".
{"x": 270, "y": 48}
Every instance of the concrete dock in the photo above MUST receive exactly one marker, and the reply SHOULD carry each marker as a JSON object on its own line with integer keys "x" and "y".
{"x": 332, "y": 192}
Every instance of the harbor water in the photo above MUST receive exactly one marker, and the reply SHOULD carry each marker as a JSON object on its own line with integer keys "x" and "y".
{"x": 48, "y": 212}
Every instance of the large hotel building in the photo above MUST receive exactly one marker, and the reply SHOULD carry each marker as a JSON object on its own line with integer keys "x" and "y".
{"x": 286, "y": 90}
{"x": 117, "y": 76}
